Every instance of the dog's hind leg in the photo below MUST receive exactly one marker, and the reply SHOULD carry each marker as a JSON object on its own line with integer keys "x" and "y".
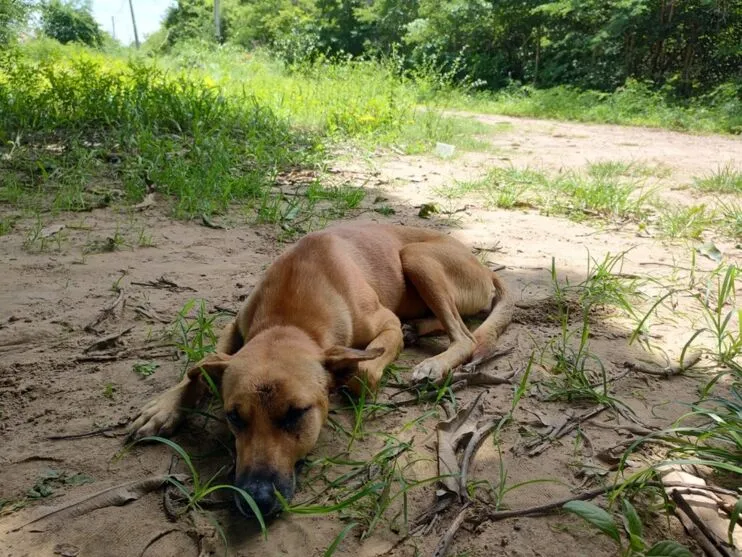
{"x": 447, "y": 279}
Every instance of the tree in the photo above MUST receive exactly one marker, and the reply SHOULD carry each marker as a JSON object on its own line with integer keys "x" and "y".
{"x": 13, "y": 15}
{"x": 69, "y": 21}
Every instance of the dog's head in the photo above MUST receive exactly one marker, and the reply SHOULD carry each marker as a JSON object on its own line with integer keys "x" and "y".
{"x": 275, "y": 393}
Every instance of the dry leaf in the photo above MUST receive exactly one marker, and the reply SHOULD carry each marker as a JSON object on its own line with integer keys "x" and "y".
{"x": 51, "y": 230}
{"x": 452, "y": 435}
{"x": 148, "y": 201}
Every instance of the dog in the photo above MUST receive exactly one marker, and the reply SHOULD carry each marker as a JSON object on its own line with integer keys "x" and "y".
{"x": 328, "y": 313}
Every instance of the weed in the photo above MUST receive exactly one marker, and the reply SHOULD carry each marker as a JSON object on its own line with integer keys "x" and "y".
{"x": 193, "y": 331}
{"x": 580, "y": 374}
{"x": 579, "y": 197}
{"x": 731, "y": 218}
{"x": 145, "y": 369}
{"x": 200, "y": 489}
{"x": 109, "y": 390}
{"x": 385, "y": 210}
{"x": 634, "y": 529}
{"x": 7, "y": 224}
{"x": 53, "y": 479}
{"x": 685, "y": 222}
{"x": 383, "y": 489}
{"x": 144, "y": 239}
{"x": 726, "y": 179}
{"x": 720, "y": 312}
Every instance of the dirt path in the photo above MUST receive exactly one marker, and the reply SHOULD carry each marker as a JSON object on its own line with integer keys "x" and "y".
{"x": 51, "y": 385}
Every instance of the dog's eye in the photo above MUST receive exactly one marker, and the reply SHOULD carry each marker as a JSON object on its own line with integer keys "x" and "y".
{"x": 290, "y": 420}
{"x": 235, "y": 420}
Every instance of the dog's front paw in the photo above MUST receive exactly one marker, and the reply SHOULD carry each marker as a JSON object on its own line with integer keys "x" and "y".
{"x": 159, "y": 417}
{"x": 429, "y": 370}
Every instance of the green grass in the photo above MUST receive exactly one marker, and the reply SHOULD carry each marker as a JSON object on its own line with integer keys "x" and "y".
{"x": 206, "y": 127}
{"x": 577, "y": 373}
{"x": 609, "y": 169}
{"x": 633, "y": 104}
{"x": 86, "y": 130}
{"x": 731, "y": 213}
{"x": 194, "y": 331}
{"x": 726, "y": 179}
{"x": 685, "y": 222}
{"x": 602, "y": 192}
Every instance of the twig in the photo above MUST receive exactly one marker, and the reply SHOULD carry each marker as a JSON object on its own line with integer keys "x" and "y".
{"x": 471, "y": 448}
{"x": 100, "y": 358}
{"x": 106, "y": 312}
{"x": 542, "y": 509}
{"x": 636, "y": 429}
{"x": 93, "y": 433}
{"x": 164, "y": 283}
{"x": 150, "y": 314}
{"x": 669, "y": 371}
{"x": 156, "y": 538}
{"x": 472, "y": 366}
{"x": 701, "y": 533}
{"x": 441, "y": 550}
{"x": 224, "y": 309}
{"x": 106, "y": 340}
{"x": 540, "y": 445}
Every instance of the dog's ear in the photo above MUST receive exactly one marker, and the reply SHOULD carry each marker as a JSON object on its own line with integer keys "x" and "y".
{"x": 340, "y": 357}
{"x": 212, "y": 366}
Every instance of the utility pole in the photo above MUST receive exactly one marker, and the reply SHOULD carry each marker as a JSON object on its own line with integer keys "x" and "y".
{"x": 134, "y": 23}
{"x": 113, "y": 28}
{"x": 217, "y": 21}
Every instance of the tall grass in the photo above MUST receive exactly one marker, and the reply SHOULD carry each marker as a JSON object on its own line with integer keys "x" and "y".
{"x": 633, "y": 104}
{"x": 88, "y": 118}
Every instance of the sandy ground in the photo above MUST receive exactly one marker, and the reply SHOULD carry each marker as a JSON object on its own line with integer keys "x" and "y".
{"x": 62, "y": 412}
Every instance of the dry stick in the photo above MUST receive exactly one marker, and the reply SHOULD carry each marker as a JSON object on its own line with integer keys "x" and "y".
{"x": 157, "y": 537}
{"x": 474, "y": 443}
{"x": 569, "y": 426}
{"x": 151, "y": 314}
{"x": 106, "y": 312}
{"x": 701, "y": 534}
{"x": 541, "y": 509}
{"x": 670, "y": 371}
{"x": 87, "y": 434}
{"x": 162, "y": 282}
{"x": 441, "y": 550}
{"x": 101, "y": 342}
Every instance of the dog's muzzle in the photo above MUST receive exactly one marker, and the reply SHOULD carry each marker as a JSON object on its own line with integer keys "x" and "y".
{"x": 262, "y": 487}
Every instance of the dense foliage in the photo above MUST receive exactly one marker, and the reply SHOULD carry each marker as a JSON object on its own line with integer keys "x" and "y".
{"x": 690, "y": 46}
{"x": 68, "y": 21}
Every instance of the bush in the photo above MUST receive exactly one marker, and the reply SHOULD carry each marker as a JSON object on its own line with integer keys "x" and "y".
{"x": 70, "y": 22}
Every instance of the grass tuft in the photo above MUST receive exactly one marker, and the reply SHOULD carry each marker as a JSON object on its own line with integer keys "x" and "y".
{"x": 726, "y": 179}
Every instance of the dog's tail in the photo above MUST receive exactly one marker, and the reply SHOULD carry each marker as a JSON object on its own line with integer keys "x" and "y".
{"x": 497, "y": 321}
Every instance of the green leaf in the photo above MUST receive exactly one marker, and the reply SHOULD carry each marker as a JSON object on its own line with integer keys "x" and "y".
{"x": 667, "y": 548}
{"x": 633, "y": 525}
{"x": 595, "y": 516}
{"x": 248, "y": 499}
{"x": 339, "y": 539}
{"x": 181, "y": 452}
{"x": 733, "y": 518}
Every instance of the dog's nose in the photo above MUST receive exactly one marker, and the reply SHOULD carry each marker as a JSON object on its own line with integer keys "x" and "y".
{"x": 261, "y": 487}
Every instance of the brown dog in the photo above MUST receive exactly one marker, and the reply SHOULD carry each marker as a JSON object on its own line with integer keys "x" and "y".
{"x": 327, "y": 313}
